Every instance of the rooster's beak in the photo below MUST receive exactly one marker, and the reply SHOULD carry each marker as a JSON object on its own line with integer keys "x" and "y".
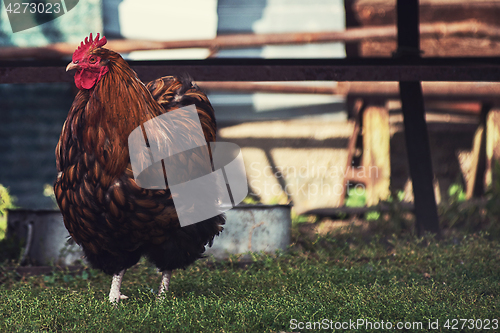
{"x": 71, "y": 66}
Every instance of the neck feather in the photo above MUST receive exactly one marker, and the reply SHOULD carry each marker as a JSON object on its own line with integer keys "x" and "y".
{"x": 118, "y": 103}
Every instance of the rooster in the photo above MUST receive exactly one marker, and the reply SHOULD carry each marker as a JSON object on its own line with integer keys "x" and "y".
{"x": 106, "y": 212}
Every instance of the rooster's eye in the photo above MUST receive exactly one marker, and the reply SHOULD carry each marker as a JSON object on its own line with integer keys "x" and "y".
{"x": 92, "y": 60}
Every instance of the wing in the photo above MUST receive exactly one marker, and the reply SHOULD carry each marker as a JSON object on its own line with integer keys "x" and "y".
{"x": 171, "y": 93}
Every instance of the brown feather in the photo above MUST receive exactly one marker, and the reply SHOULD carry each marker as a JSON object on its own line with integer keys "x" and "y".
{"x": 118, "y": 195}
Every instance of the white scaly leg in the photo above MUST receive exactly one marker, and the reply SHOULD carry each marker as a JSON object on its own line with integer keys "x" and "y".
{"x": 114, "y": 293}
{"x": 165, "y": 281}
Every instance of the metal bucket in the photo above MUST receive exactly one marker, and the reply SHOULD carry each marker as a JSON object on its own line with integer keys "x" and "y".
{"x": 44, "y": 235}
{"x": 253, "y": 228}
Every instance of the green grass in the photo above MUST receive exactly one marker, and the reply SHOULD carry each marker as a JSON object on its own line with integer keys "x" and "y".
{"x": 6, "y": 202}
{"x": 336, "y": 278}
{"x": 351, "y": 275}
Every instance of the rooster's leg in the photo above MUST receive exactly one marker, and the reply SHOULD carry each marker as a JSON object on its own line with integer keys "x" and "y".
{"x": 114, "y": 293}
{"x": 165, "y": 281}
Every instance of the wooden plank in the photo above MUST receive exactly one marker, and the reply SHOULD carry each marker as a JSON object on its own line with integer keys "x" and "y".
{"x": 454, "y": 91}
{"x": 480, "y": 161}
{"x": 363, "y": 69}
{"x": 351, "y": 147}
{"x": 329, "y": 88}
{"x": 492, "y": 144}
{"x": 376, "y": 156}
{"x": 472, "y": 178}
{"x": 450, "y": 47}
{"x": 382, "y": 12}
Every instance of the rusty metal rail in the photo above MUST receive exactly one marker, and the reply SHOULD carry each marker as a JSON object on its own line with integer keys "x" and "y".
{"x": 439, "y": 29}
{"x": 441, "y": 91}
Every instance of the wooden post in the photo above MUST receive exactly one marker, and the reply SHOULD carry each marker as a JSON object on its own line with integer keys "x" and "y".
{"x": 351, "y": 48}
{"x": 476, "y": 184}
{"x": 471, "y": 178}
{"x": 355, "y": 106}
{"x": 416, "y": 135}
{"x": 419, "y": 157}
{"x": 376, "y": 165}
{"x": 492, "y": 144}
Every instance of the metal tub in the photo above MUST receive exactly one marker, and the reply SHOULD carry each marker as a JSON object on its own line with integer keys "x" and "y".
{"x": 44, "y": 236}
{"x": 253, "y": 228}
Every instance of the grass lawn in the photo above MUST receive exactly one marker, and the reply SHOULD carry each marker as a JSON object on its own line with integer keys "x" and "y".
{"x": 325, "y": 279}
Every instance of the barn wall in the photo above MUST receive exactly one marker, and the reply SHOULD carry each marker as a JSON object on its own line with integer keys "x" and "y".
{"x": 32, "y": 115}
{"x": 30, "y": 123}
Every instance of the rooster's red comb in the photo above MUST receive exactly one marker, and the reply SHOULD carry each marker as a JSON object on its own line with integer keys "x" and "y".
{"x": 89, "y": 44}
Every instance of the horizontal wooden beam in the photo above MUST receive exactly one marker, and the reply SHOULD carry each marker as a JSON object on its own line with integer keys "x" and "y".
{"x": 270, "y": 87}
{"x": 363, "y": 69}
{"x": 463, "y": 97}
{"x": 453, "y": 91}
